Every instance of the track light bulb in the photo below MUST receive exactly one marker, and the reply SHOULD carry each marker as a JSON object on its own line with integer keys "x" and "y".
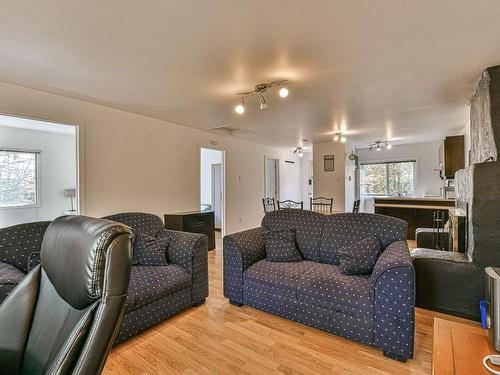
{"x": 263, "y": 104}
{"x": 283, "y": 92}
{"x": 240, "y": 108}
{"x": 343, "y": 139}
{"x": 389, "y": 146}
{"x": 336, "y": 137}
{"x": 378, "y": 148}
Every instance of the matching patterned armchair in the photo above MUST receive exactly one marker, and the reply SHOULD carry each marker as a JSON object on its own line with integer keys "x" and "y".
{"x": 375, "y": 309}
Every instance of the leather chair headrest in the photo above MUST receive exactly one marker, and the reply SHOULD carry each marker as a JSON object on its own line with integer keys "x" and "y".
{"x": 73, "y": 256}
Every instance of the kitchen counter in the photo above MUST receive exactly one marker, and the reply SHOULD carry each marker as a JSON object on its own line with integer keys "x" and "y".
{"x": 416, "y": 211}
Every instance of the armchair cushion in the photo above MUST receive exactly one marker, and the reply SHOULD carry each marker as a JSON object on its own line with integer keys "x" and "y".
{"x": 360, "y": 257}
{"x": 281, "y": 245}
{"x": 150, "y": 251}
{"x": 151, "y": 283}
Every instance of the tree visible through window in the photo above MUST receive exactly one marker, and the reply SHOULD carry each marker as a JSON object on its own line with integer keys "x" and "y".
{"x": 18, "y": 178}
{"x": 389, "y": 178}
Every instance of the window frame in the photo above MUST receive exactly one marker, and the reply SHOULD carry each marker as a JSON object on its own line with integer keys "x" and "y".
{"x": 38, "y": 184}
{"x": 387, "y": 162}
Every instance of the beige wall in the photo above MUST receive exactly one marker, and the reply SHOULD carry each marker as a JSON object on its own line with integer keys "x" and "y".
{"x": 330, "y": 184}
{"x": 136, "y": 163}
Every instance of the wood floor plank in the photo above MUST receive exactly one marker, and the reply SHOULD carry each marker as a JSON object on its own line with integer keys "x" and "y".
{"x": 219, "y": 338}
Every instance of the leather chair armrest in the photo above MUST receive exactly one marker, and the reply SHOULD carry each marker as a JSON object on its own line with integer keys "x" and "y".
{"x": 241, "y": 250}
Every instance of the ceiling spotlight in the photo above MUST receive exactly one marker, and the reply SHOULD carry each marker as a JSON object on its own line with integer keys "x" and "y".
{"x": 263, "y": 104}
{"x": 377, "y": 145}
{"x": 339, "y": 137}
{"x": 299, "y": 151}
{"x": 240, "y": 108}
{"x": 283, "y": 92}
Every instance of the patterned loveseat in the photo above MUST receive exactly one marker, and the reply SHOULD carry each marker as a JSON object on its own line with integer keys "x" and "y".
{"x": 155, "y": 292}
{"x": 375, "y": 309}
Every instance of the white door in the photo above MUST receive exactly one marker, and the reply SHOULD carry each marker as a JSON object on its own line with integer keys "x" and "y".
{"x": 271, "y": 179}
{"x": 217, "y": 194}
{"x": 309, "y": 179}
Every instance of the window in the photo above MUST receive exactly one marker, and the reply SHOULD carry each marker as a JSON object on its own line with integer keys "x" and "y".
{"x": 18, "y": 178}
{"x": 388, "y": 178}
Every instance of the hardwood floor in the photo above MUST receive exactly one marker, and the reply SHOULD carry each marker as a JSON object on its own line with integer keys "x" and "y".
{"x": 218, "y": 338}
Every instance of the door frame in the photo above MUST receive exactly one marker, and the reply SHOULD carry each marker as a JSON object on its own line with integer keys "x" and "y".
{"x": 223, "y": 183}
{"x": 276, "y": 177}
{"x": 213, "y": 192}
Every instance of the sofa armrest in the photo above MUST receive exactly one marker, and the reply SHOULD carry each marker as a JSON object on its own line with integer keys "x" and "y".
{"x": 241, "y": 250}
{"x": 190, "y": 251}
{"x": 17, "y": 242}
{"x": 393, "y": 291}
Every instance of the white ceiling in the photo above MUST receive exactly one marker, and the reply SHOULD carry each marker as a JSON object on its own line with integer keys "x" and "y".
{"x": 393, "y": 69}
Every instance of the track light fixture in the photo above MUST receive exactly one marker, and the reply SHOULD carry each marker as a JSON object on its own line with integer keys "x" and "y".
{"x": 260, "y": 89}
{"x": 299, "y": 151}
{"x": 339, "y": 137}
{"x": 377, "y": 145}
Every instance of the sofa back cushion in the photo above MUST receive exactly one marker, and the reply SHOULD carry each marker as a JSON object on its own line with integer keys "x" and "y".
{"x": 139, "y": 222}
{"x": 341, "y": 230}
{"x": 307, "y": 225}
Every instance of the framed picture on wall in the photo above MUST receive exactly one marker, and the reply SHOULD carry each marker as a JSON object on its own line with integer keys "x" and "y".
{"x": 329, "y": 163}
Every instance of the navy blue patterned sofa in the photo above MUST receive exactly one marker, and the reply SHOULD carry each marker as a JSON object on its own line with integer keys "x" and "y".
{"x": 155, "y": 292}
{"x": 377, "y": 309}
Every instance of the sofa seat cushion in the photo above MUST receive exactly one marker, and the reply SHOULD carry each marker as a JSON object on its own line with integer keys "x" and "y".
{"x": 326, "y": 286}
{"x": 278, "y": 278}
{"x": 151, "y": 283}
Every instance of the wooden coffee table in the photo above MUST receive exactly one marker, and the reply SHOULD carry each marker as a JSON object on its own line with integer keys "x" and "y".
{"x": 459, "y": 348}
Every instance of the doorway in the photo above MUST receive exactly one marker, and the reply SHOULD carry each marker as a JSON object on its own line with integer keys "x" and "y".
{"x": 271, "y": 178}
{"x": 39, "y": 170}
{"x": 212, "y": 195}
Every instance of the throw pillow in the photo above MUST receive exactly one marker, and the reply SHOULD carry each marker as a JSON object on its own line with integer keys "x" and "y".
{"x": 360, "y": 257}
{"x": 281, "y": 245}
{"x": 150, "y": 251}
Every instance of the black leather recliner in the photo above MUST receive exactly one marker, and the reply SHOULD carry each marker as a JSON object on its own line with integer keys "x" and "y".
{"x": 64, "y": 316}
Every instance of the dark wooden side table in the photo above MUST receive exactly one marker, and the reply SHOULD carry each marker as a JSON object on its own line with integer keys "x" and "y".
{"x": 195, "y": 222}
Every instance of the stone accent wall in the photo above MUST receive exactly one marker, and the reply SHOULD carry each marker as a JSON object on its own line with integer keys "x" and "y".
{"x": 478, "y": 186}
{"x": 485, "y": 117}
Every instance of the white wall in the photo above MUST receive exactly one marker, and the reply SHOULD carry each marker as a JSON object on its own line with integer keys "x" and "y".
{"x": 57, "y": 171}
{"x": 427, "y": 156}
{"x": 350, "y": 181}
{"x": 136, "y": 163}
{"x": 330, "y": 184}
{"x": 304, "y": 183}
{"x": 207, "y": 158}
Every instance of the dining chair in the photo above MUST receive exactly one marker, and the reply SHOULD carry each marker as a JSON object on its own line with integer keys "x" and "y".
{"x": 321, "y": 204}
{"x": 355, "y": 206}
{"x": 268, "y": 204}
{"x": 290, "y": 204}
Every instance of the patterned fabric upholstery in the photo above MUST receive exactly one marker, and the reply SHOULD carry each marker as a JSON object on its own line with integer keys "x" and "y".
{"x": 151, "y": 283}
{"x": 281, "y": 245}
{"x": 149, "y": 250}
{"x": 360, "y": 257}
{"x": 376, "y": 309}
{"x": 19, "y": 241}
{"x": 281, "y": 278}
{"x": 308, "y": 226}
{"x": 241, "y": 250}
{"x": 10, "y": 276}
{"x": 325, "y": 285}
{"x": 345, "y": 229}
{"x": 158, "y": 292}
{"x": 393, "y": 281}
